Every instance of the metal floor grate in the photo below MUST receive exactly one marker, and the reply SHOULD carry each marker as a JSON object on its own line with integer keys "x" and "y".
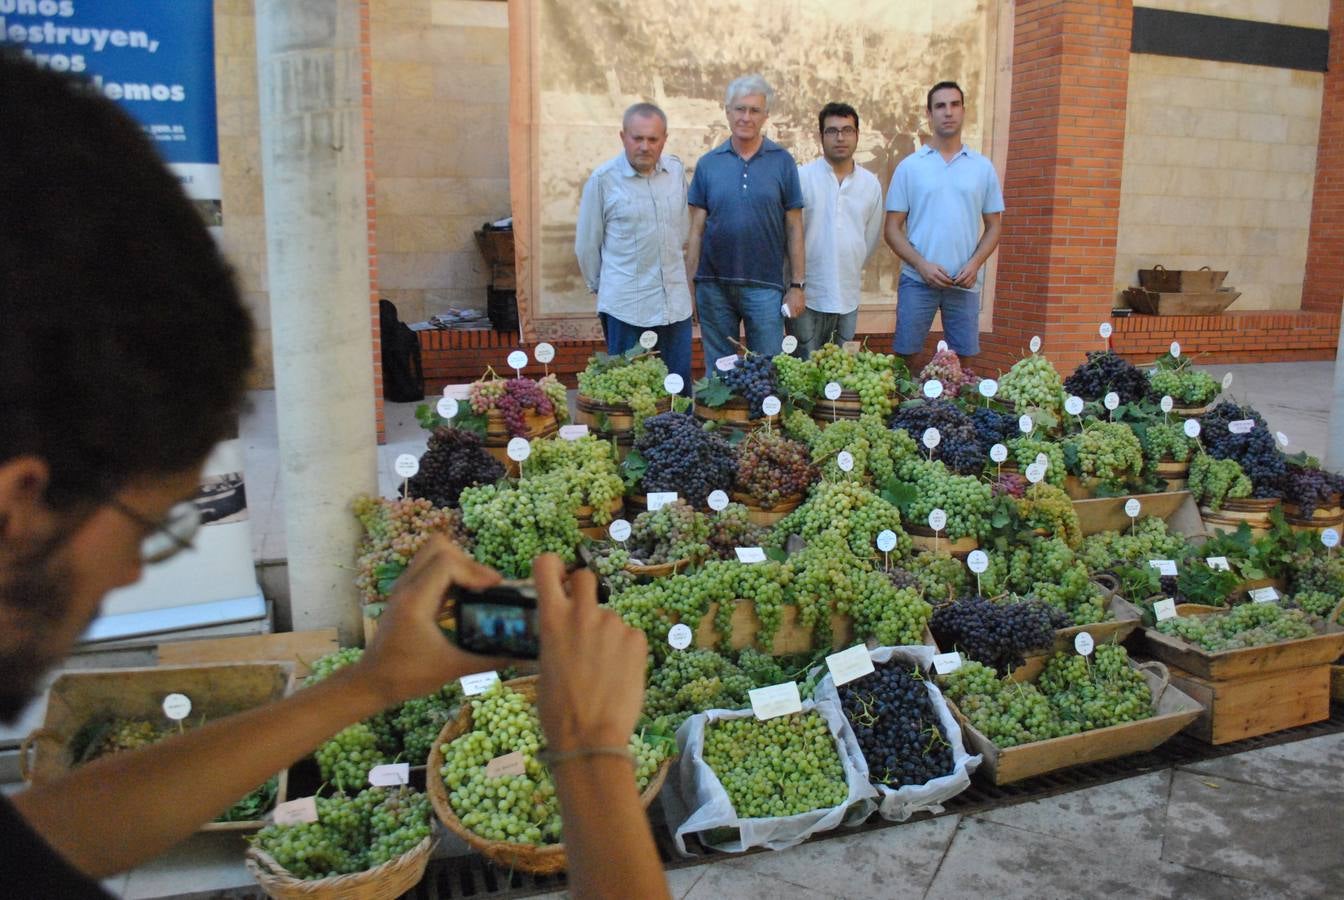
{"x": 472, "y": 876}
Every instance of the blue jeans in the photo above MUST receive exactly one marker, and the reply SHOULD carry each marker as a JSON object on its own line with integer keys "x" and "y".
{"x": 725, "y": 309}
{"x": 915, "y": 305}
{"x": 674, "y": 343}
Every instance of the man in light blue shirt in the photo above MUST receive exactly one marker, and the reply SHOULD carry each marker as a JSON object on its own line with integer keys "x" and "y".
{"x": 629, "y": 240}
{"x": 939, "y": 199}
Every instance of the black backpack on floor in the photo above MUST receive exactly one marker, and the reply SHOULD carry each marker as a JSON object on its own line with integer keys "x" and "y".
{"x": 403, "y": 377}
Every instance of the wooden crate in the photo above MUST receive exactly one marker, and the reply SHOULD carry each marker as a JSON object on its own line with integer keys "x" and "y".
{"x": 1337, "y": 683}
{"x": 1172, "y": 711}
{"x": 1225, "y": 665}
{"x": 301, "y": 648}
{"x": 216, "y": 690}
{"x": 1239, "y": 708}
{"x": 1177, "y": 508}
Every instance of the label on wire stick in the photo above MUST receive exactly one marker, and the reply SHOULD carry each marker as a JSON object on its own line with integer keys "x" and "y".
{"x": 1105, "y": 330}
{"x": 1227, "y": 381}
{"x": 1191, "y": 428}
{"x": 1330, "y": 537}
{"x": 648, "y": 340}
{"x": 1281, "y": 438}
{"x": 946, "y": 663}
{"x": 775, "y": 700}
{"x": 508, "y": 764}
{"x": 1175, "y": 349}
{"x": 679, "y": 636}
{"x": 659, "y": 499}
{"x": 177, "y": 706}
{"x": 933, "y": 389}
{"x": 517, "y": 360}
{"x": 473, "y": 685}
{"x": 673, "y": 383}
{"x": 1035, "y": 473}
{"x": 619, "y": 530}
{"x": 447, "y": 407}
{"x": 573, "y": 432}
{"x": 1074, "y": 405}
{"x": 1042, "y": 460}
{"x": 544, "y": 353}
{"x": 1035, "y": 344}
{"x": 932, "y": 437}
{"x": 750, "y": 554}
{"x": 406, "y": 465}
{"x": 725, "y": 363}
{"x": 851, "y": 664}
{"x": 937, "y": 519}
{"x": 886, "y": 540}
{"x": 1111, "y": 401}
{"x": 833, "y": 390}
{"x": 977, "y": 561}
{"x": 998, "y": 453}
{"x": 1164, "y": 609}
{"x": 1218, "y": 563}
{"x": 988, "y": 388}
{"x": 1083, "y": 643}
{"x": 1132, "y": 508}
{"x": 295, "y": 812}
{"x": 1163, "y": 566}
{"x": 718, "y": 501}
{"x": 1025, "y": 424}
{"x": 770, "y": 405}
{"x": 942, "y": 345}
{"x": 519, "y": 449}
{"x": 789, "y": 344}
{"x": 390, "y": 774}
{"x": 1167, "y": 404}
{"x": 845, "y": 460}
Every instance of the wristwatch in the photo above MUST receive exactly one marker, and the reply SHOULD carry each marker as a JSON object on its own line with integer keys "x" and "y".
{"x": 798, "y": 284}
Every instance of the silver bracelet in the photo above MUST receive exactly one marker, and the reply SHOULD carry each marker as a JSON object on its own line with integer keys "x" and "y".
{"x": 551, "y": 759}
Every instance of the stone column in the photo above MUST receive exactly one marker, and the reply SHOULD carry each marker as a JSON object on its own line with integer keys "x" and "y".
{"x": 309, "y": 77}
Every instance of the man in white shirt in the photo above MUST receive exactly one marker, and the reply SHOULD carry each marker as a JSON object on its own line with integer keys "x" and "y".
{"x": 630, "y": 242}
{"x": 842, "y": 221}
{"x": 940, "y": 199}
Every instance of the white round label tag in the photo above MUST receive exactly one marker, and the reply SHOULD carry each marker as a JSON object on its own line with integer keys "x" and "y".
{"x": 977, "y": 561}
{"x": 789, "y": 344}
{"x": 770, "y": 405}
{"x": 833, "y": 390}
{"x": 1035, "y": 473}
{"x": 1084, "y": 644}
{"x": 519, "y": 449}
{"x": 1167, "y": 404}
{"x": 1227, "y": 381}
{"x": 679, "y": 636}
{"x": 1042, "y": 460}
{"x": 1024, "y": 424}
{"x": 544, "y": 353}
{"x": 845, "y": 460}
{"x": 177, "y": 706}
{"x": 886, "y": 540}
{"x": 406, "y": 465}
{"x": 1281, "y": 438}
{"x": 942, "y": 345}
{"x": 1105, "y": 330}
{"x": 517, "y": 360}
{"x": 1035, "y": 344}
{"x": 718, "y": 500}
{"x": 1111, "y": 401}
{"x": 1175, "y": 349}
{"x": 932, "y": 437}
{"x": 673, "y": 383}
{"x": 1330, "y": 537}
{"x": 1132, "y": 508}
{"x": 933, "y": 389}
{"x": 937, "y": 519}
{"x": 619, "y": 529}
{"x": 998, "y": 453}
{"x": 1073, "y": 406}
{"x": 648, "y": 340}
{"x": 1192, "y": 428}
{"x": 447, "y": 407}
{"x": 988, "y": 388}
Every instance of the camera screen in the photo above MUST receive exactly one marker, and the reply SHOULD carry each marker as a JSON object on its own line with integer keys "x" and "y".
{"x": 497, "y": 629}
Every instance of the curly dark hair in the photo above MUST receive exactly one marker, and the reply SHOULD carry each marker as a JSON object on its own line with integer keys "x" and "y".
{"x": 124, "y": 345}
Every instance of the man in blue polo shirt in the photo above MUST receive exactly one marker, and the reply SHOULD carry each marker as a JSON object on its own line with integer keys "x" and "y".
{"x": 746, "y": 209}
{"x": 939, "y": 199}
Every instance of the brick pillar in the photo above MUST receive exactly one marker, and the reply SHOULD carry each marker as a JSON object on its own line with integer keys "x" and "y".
{"x": 1323, "y": 288}
{"x": 366, "y": 64}
{"x": 1061, "y": 188}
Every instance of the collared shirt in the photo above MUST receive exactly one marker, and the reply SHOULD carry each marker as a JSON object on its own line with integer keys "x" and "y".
{"x": 945, "y": 202}
{"x": 629, "y": 240}
{"x": 842, "y": 222}
{"x": 745, "y": 240}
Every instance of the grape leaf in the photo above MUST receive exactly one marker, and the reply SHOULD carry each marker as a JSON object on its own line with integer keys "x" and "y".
{"x": 387, "y": 574}
{"x": 712, "y": 392}
{"x": 633, "y": 468}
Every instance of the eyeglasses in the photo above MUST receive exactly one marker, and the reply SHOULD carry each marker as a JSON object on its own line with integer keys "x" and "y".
{"x": 847, "y": 131}
{"x": 167, "y": 537}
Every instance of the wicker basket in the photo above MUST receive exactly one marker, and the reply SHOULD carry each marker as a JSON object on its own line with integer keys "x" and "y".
{"x": 767, "y": 515}
{"x": 385, "y": 882}
{"x": 539, "y": 859}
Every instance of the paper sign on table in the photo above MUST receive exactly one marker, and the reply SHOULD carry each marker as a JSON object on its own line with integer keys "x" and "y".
{"x": 573, "y": 432}
{"x": 390, "y": 774}
{"x": 750, "y": 554}
{"x": 946, "y": 663}
{"x": 1264, "y": 595}
{"x": 659, "y": 499}
{"x": 1218, "y": 563}
{"x": 848, "y": 665}
{"x": 295, "y": 812}
{"x": 775, "y": 700}
{"x": 474, "y": 685}
{"x": 1163, "y": 566}
{"x": 1164, "y": 609}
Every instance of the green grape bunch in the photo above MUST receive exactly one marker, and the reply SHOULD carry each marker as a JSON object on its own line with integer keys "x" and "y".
{"x": 511, "y": 525}
{"x": 1111, "y": 453}
{"x": 1033, "y": 383}
{"x": 623, "y": 381}
{"x": 780, "y": 767}
{"x": 587, "y": 467}
{"x": 1215, "y": 481}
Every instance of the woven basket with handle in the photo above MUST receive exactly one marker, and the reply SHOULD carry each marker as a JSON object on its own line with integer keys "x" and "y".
{"x": 385, "y": 882}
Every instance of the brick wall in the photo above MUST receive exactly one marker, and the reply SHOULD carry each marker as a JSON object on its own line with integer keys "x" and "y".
{"x": 1062, "y": 180}
{"x": 1323, "y": 288}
